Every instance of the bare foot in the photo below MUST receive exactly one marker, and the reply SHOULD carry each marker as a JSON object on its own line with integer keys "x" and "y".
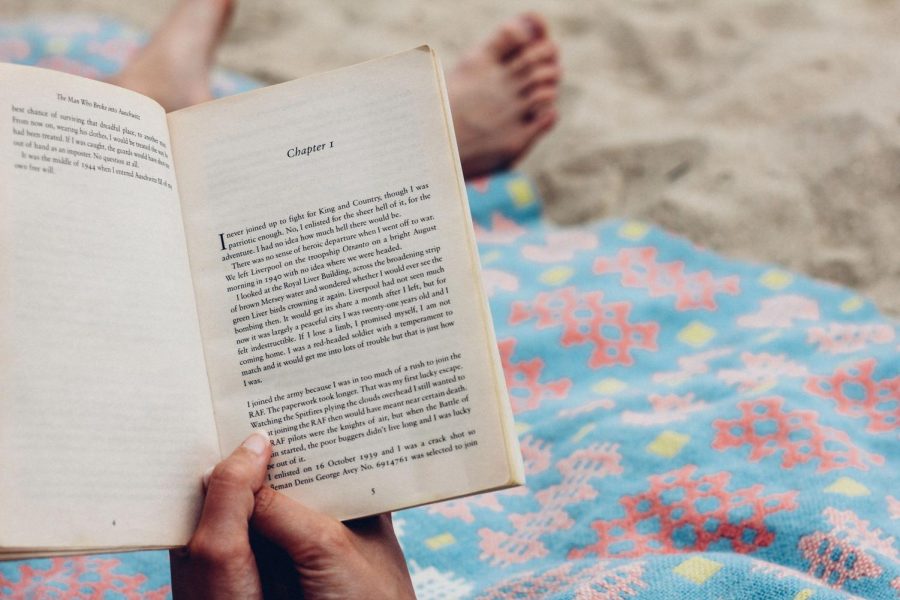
{"x": 503, "y": 95}
{"x": 174, "y": 68}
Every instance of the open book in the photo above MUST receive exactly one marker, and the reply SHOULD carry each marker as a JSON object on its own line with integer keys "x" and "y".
{"x": 298, "y": 259}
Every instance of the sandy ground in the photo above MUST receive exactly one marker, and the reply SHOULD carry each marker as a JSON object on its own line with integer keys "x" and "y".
{"x": 766, "y": 130}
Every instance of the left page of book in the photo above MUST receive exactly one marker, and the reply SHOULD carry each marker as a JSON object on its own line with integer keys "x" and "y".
{"x": 105, "y": 416}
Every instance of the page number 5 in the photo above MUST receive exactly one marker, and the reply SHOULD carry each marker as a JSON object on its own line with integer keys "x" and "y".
{"x": 373, "y": 491}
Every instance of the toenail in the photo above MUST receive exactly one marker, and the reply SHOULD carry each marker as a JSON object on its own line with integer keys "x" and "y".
{"x": 533, "y": 26}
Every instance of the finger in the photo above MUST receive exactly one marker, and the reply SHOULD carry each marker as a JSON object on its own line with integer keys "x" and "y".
{"x": 375, "y": 534}
{"x": 277, "y": 572}
{"x": 231, "y": 487}
{"x": 305, "y": 534}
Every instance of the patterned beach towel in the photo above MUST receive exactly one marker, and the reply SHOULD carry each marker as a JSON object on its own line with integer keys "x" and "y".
{"x": 692, "y": 426}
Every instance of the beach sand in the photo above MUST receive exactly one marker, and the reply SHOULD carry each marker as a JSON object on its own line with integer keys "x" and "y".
{"x": 768, "y": 131}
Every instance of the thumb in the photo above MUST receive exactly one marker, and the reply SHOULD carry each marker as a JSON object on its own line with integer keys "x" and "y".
{"x": 231, "y": 488}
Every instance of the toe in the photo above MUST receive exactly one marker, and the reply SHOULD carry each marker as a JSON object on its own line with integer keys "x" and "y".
{"x": 512, "y": 36}
{"x": 543, "y": 51}
{"x": 539, "y": 76}
{"x": 537, "y": 23}
{"x": 538, "y": 98}
{"x": 544, "y": 119}
{"x": 541, "y": 122}
{"x": 227, "y": 8}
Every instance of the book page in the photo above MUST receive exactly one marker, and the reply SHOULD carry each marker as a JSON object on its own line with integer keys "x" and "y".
{"x": 338, "y": 288}
{"x": 105, "y": 417}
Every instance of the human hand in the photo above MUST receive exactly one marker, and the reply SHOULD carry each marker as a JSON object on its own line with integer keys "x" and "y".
{"x": 327, "y": 558}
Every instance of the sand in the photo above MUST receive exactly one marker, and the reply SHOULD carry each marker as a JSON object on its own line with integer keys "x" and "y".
{"x": 766, "y": 130}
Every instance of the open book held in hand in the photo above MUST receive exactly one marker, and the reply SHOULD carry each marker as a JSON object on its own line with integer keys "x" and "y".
{"x": 298, "y": 259}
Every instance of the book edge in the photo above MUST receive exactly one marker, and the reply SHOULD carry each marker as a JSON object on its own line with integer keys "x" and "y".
{"x": 514, "y": 462}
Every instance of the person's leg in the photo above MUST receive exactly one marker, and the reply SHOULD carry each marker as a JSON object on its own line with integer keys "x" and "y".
{"x": 174, "y": 67}
{"x": 503, "y": 95}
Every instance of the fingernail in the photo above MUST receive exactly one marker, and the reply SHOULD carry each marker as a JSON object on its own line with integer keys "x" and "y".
{"x": 206, "y": 475}
{"x": 257, "y": 442}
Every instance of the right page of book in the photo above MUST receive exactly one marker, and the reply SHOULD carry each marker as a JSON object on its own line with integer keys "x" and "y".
{"x": 338, "y": 288}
